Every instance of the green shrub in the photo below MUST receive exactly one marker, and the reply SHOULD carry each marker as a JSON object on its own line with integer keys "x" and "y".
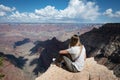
{"x": 1, "y": 61}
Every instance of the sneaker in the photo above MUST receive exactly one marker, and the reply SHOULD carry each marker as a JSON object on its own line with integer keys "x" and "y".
{"x": 53, "y": 59}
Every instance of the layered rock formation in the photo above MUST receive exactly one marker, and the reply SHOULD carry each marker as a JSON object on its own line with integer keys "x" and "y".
{"x": 98, "y": 38}
{"x": 110, "y": 55}
{"x": 104, "y": 45}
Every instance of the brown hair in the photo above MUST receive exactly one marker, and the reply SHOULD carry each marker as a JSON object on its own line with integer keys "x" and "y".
{"x": 75, "y": 40}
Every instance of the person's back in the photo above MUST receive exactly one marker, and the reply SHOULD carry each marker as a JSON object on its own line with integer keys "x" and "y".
{"x": 78, "y": 55}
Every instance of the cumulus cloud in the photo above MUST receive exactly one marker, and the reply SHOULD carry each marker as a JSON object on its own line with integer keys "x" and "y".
{"x": 76, "y": 10}
{"x": 109, "y": 13}
{"x": 48, "y": 11}
{"x": 79, "y": 9}
{"x": 4, "y": 10}
{"x": 22, "y": 17}
{"x": 2, "y": 13}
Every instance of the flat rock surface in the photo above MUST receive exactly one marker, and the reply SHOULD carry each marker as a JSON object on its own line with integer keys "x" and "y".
{"x": 92, "y": 71}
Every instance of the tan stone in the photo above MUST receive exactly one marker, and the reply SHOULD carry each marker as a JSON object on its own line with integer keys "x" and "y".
{"x": 92, "y": 71}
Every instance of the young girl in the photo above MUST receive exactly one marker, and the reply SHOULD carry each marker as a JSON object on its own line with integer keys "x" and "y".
{"x": 78, "y": 55}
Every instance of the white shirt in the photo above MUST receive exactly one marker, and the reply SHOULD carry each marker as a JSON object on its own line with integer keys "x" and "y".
{"x": 75, "y": 51}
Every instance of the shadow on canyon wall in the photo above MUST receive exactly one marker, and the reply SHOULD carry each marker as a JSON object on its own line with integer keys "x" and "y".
{"x": 97, "y": 42}
{"x": 48, "y": 50}
{"x": 19, "y": 43}
{"x": 102, "y": 43}
{"x": 18, "y": 62}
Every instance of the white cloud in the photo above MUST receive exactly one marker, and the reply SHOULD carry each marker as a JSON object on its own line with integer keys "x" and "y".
{"x": 33, "y": 15}
{"x": 109, "y": 13}
{"x": 18, "y": 15}
{"x": 79, "y": 9}
{"x": 4, "y": 10}
{"x": 48, "y": 11}
{"x": 22, "y": 17}
{"x": 75, "y": 11}
{"x": 2, "y": 13}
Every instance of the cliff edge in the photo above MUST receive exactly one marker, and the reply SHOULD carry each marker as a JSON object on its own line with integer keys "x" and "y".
{"x": 92, "y": 71}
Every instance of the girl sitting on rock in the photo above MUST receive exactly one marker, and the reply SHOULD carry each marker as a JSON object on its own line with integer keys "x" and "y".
{"x": 74, "y": 57}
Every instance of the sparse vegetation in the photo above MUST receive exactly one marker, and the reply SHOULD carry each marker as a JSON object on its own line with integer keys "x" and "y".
{"x": 1, "y": 63}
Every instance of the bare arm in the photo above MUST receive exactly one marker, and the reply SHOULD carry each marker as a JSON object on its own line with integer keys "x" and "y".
{"x": 63, "y": 52}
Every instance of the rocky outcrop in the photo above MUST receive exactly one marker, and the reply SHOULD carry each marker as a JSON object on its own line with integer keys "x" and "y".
{"x": 98, "y": 38}
{"x": 92, "y": 71}
{"x": 111, "y": 52}
{"x": 104, "y": 45}
{"x": 100, "y": 43}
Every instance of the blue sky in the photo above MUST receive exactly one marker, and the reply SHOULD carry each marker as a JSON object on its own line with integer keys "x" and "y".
{"x": 60, "y": 11}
